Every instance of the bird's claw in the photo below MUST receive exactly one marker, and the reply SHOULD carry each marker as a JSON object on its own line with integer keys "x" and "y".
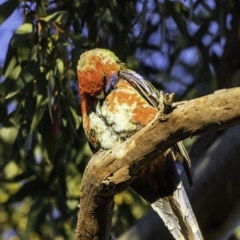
{"x": 165, "y": 106}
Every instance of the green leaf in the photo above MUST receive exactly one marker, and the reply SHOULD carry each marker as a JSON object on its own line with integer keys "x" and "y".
{"x": 75, "y": 117}
{"x": 34, "y": 52}
{"x": 6, "y": 9}
{"x": 23, "y": 52}
{"x": 11, "y": 65}
{"x": 8, "y": 135}
{"x": 59, "y": 68}
{"x": 55, "y": 17}
{"x": 79, "y": 39}
{"x": 10, "y": 80}
{"x": 50, "y": 92}
{"x": 10, "y": 60}
{"x": 26, "y": 28}
{"x": 39, "y": 111}
{"x": 41, "y": 8}
{"x": 28, "y": 74}
{"x": 21, "y": 34}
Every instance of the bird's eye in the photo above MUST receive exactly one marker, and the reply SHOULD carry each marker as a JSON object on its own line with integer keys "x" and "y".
{"x": 104, "y": 79}
{"x": 101, "y": 95}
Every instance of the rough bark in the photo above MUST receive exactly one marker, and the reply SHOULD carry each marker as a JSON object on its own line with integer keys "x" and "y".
{"x": 109, "y": 172}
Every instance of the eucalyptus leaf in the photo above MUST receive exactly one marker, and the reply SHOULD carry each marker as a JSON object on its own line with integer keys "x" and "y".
{"x": 12, "y": 63}
{"x": 23, "y": 52}
{"x": 8, "y": 134}
{"x": 11, "y": 56}
{"x": 41, "y": 104}
{"x": 59, "y": 16}
{"x": 21, "y": 34}
{"x": 50, "y": 92}
{"x": 79, "y": 39}
{"x": 59, "y": 68}
{"x": 10, "y": 80}
{"x": 27, "y": 75}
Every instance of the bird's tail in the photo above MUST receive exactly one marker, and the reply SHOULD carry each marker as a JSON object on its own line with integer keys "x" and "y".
{"x": 178, "y": 216}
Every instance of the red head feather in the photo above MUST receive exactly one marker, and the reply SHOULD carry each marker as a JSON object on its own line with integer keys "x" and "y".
{"x": 94, "y": 70}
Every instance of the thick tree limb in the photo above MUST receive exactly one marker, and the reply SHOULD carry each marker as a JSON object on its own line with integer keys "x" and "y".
{"x": 109, "y": 172}
{"x": 215, "y": 197}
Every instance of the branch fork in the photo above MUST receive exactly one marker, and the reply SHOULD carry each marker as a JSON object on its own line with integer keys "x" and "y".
{"x": 109, "y": 172}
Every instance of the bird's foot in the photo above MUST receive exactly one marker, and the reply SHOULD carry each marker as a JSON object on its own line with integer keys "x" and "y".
{"x": 165, "y": 106}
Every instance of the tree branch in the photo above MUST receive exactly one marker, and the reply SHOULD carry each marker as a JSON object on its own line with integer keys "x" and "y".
{"x": 215, "y": 197}
{"x": 109, "y": 172}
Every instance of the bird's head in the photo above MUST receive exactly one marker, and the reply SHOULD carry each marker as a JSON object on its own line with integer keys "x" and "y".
{"x": 97, "y": 70}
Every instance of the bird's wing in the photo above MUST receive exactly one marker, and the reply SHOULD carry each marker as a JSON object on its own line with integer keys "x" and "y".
{"x": 151, "y": 95}
{"x": 184, "y": 158}
{"x": 144, "y": 87}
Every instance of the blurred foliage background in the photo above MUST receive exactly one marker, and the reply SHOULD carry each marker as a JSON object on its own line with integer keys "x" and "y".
{"x": 181, "y": 46}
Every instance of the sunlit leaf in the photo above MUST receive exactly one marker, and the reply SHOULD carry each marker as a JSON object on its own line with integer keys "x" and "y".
{"x": 34, "y": 52}
{"x": 23, "y": 52}
{"x": 12, "y": 63}
{"x": 8, "y": 135}
{"x": 3, "y": 198}
{"x": 55, "y": 17}
{"x": 59, "y": 68}
{"x": 10, "y": 80}
{"x": 21, "y": 34}
{"x": 75, "y": 117}
{"x": 11, "y": 170}
{"x": 41, "y": 8}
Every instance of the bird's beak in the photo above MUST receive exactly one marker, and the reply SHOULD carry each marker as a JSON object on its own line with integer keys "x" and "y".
{"x": 101, "y": 95}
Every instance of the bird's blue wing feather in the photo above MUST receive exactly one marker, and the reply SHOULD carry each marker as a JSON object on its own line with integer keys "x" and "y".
{"x": 142, "y": 86}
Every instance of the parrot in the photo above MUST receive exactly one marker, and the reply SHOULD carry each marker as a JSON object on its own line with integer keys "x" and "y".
{"x": 116, "y": 102}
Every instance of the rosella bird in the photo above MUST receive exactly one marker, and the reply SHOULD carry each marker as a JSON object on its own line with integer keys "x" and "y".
{"x": 116, "y": 103}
